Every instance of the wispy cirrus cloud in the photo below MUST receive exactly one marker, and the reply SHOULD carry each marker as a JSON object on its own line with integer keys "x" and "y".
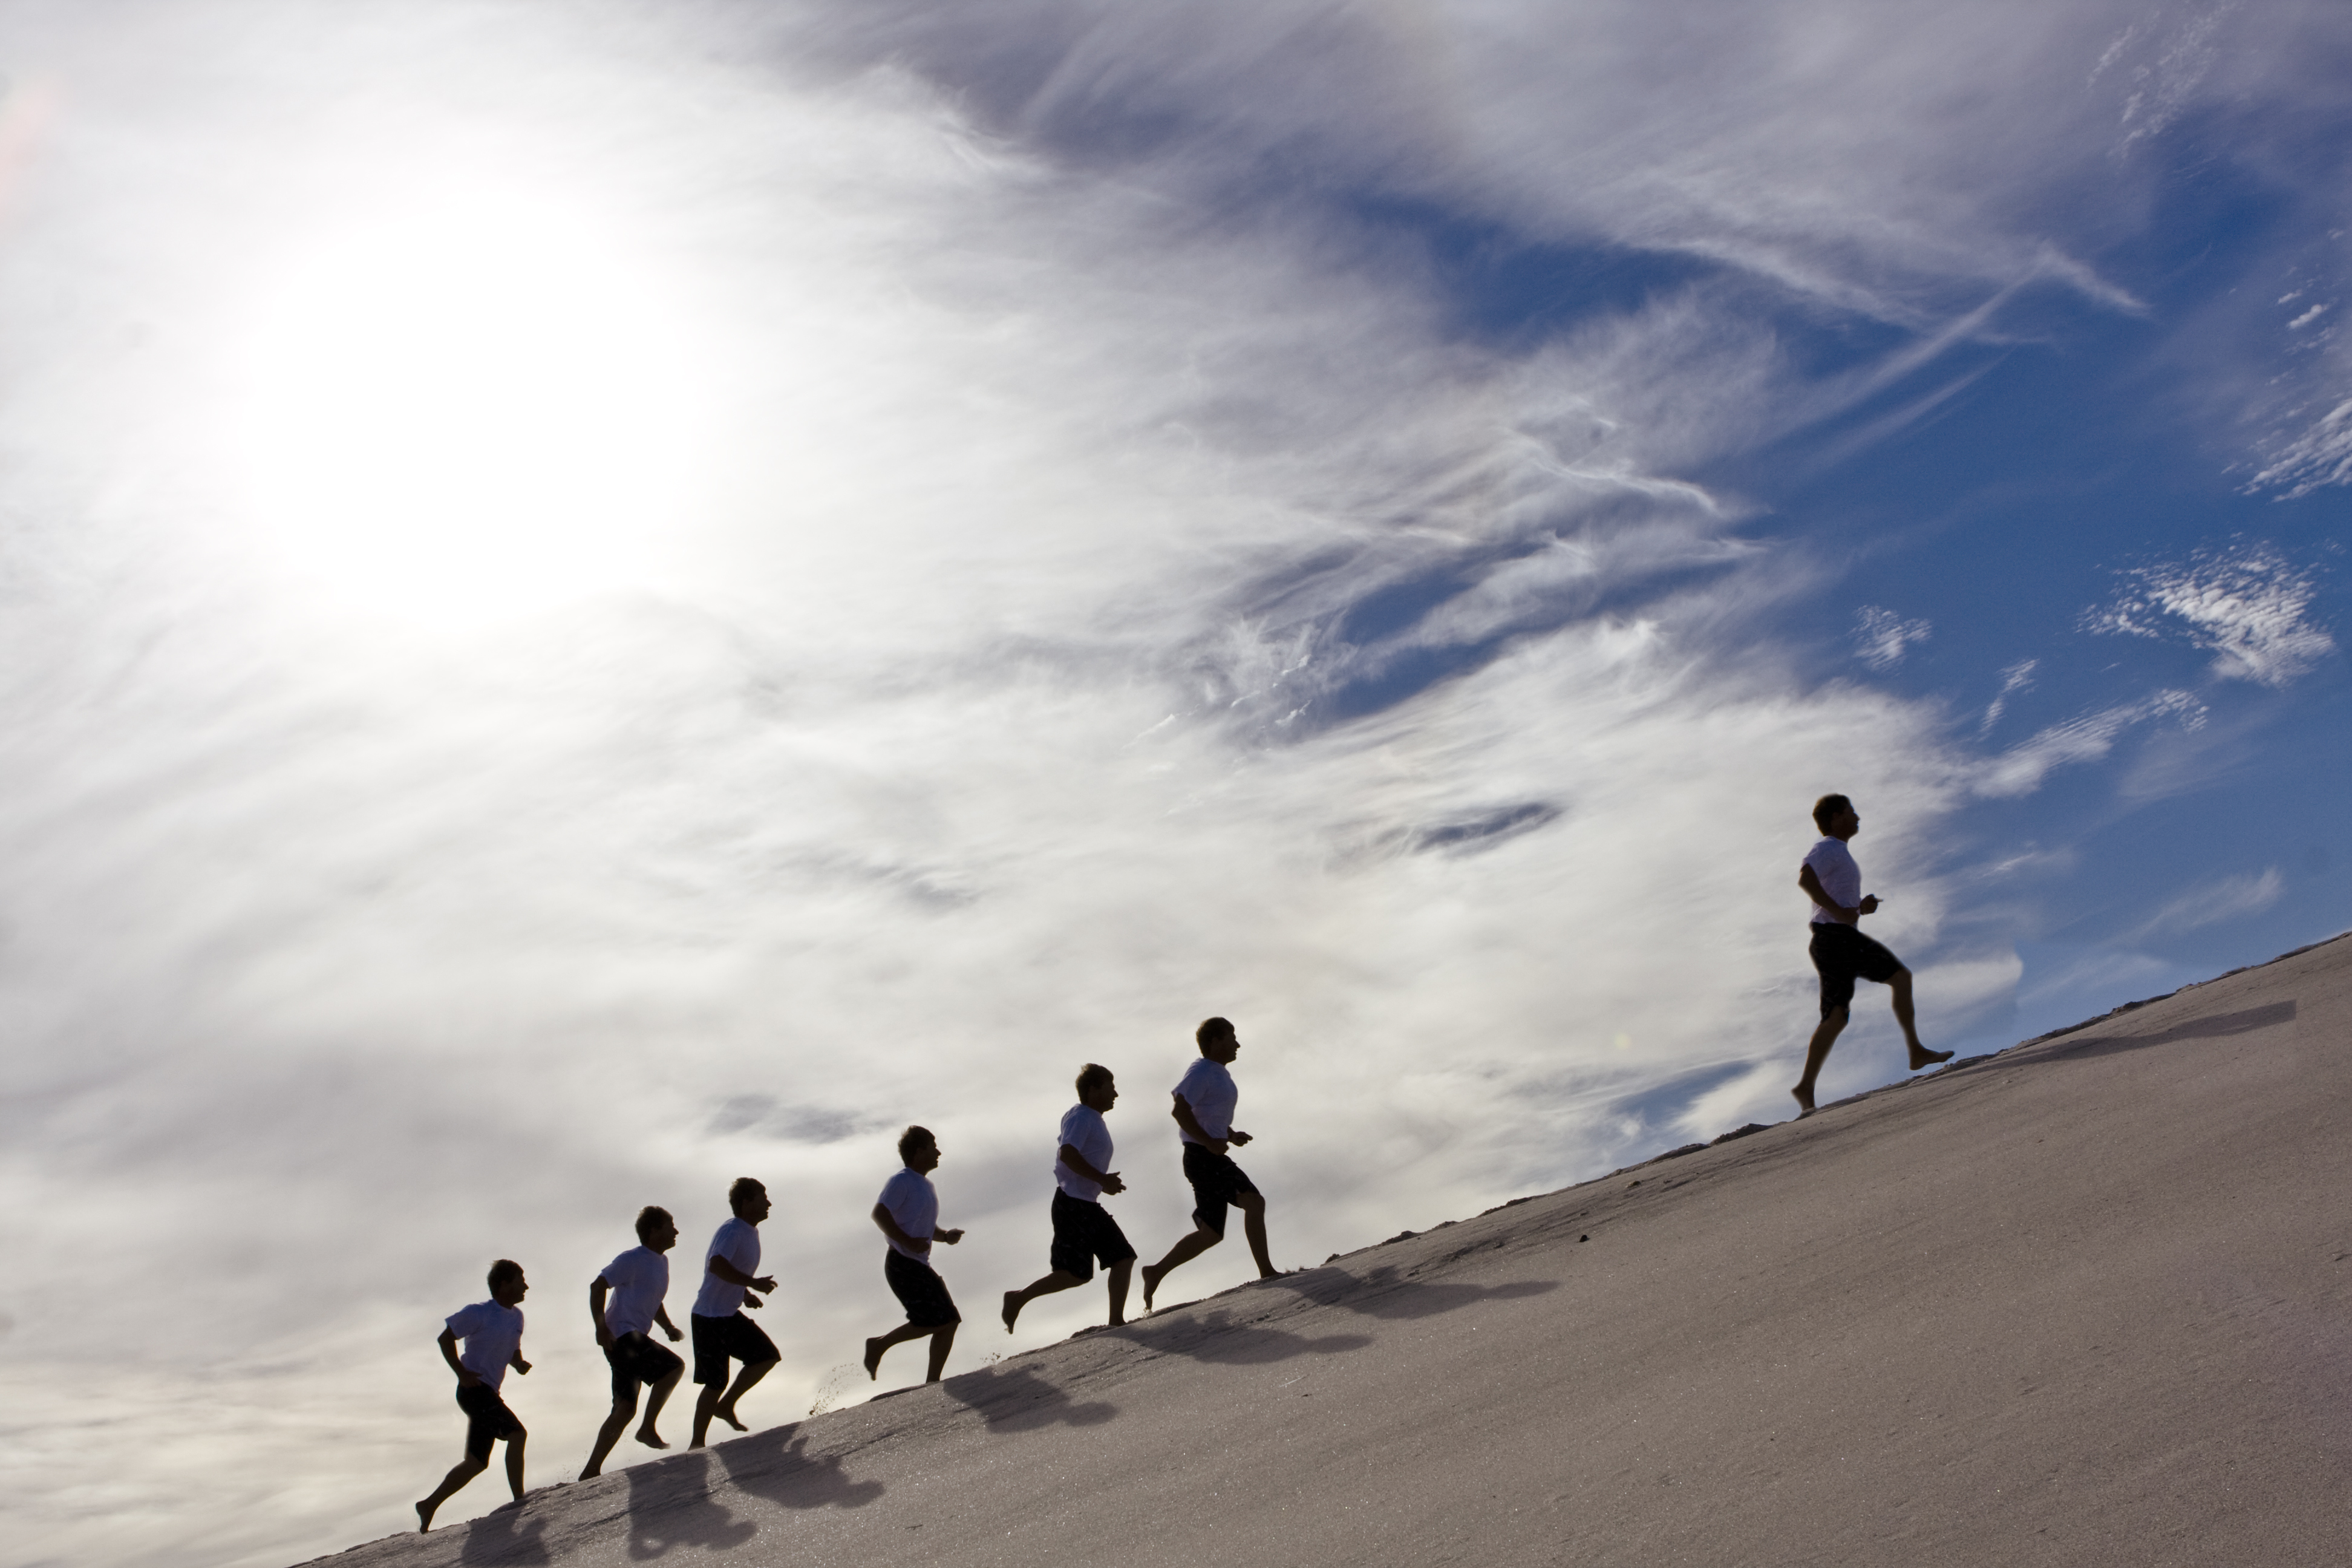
{"x": 2227, "y": 899}
{"x": 2247, "y": 604}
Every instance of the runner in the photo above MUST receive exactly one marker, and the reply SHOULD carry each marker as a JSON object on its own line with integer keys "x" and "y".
{"x": 637, "y": 1280}
{"x": 908, "y": 1213}
{"x": 721, "y": 1331}
{"x": 1083, "y": 1232}
{"x": 1206, "y": 1099}
{"x": 1841, "y": 952}
{"x": 492, "y": 1330}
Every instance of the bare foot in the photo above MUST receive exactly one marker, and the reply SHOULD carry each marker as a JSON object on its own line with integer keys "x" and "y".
{"x": 591, "y": 1473}
{"x": 873, "y": 1349}
{"x": 650, "y": 1439}
{"x": 423, "y": 1517}
{"x": 696, "y": 1444}
{"x": 1921, "y": 1057}
{"x": 1804, "y": 1101}
{"x": 1151, "y": 1278}
{"x": 1012, "y": 1309}
{"x": 726, "y": 1414}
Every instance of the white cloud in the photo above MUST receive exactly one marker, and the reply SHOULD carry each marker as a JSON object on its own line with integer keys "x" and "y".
{"x": 2021, "y": 768}
{"x": 1881, "y": 638}
{"x": 2247, "y": 604}
{"x": 2018, "y": 677}
{"x": 2226, "y": 899}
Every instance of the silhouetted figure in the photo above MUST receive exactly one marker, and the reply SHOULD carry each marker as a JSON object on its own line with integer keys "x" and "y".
{"x": 721, "y": 1332}
{"x": 492, "y": 1330}
{"x": 636, "y": 1281}
{"x": 1084, "y": 1231}
{"x": 1206, "y": 1099}
{"x": 908, "y": 1213}
{"x": 1841, "y": 952}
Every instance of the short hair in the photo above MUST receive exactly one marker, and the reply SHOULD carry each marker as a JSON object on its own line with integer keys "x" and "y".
{"x": 651, "y": 1216}
{"x": 914, "y": 1138}
{"x": 1825, "y": 810}
{"x": 1210, "y": 1028}
{"x": 744, "y": 1187}
{"x": 504, "y": 1269}
{"x": 1090, "y": 1075}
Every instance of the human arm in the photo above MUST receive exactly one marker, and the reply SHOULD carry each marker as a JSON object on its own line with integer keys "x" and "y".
{"x": 597, "y": 1289}
{"x": 466, "y": 1375}
{"x": 1811, "y": 884}
{"x": 516, "y": 1361}
{"x": 1182, "y": 1112}
{"x": 891, "y": 1229}
{"x": 734, "y": 1276}
{"x": 661, "y": 1316}
{"x": 1078, "y": 1164}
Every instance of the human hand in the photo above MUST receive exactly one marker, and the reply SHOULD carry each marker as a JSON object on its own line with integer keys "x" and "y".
{"x": 468, "y": 1378}
{"x": 603, "y": 1337}
{"x": 1869, "y": 905}
{"x": 764, "y": 1285}
{"x": 1239, "y": 1137}
{"x": 522, "y": 1366}
{"x": 1111, "y": 1182}
{"x": 950, "y": 1237}
{"x": 752, "y": 1301}
{"x": 673, "y": 1335}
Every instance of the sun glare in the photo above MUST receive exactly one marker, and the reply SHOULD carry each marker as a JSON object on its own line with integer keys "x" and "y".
{"x": 468, "y": 407}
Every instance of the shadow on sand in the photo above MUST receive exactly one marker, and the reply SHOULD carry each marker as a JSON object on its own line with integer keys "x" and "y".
{"x": 2218, "y": 1026}
{"x": 505, "y": 1536}
{"x": 1222, "y": 1338}
{"x": 670, "y": 1503}
{"x": 1011, "y": 1399}
{"x": 1386, "y": 1292}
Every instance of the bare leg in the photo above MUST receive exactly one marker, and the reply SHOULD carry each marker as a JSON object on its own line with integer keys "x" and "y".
{"x": 897, "y": 1336}
{"x": 609, "y": 1433}
{"x": 725, "y": 1408}
{"x": 1186, "y": 1249}
{"x": 1059, "y": 1279}
{"x": 942, "y": 1342}
{"x": 656, "y": 1397}
{"x": 1921, "y": 1057}
{"x": 1252, "y": 1207}
{"x": 704, "y": 1404}
{"x": 1816, "y": 1053}
{"x": 1118, "y": 1273}
{"x": 464, "y": 1471}
{"x": 514, "y": 1464}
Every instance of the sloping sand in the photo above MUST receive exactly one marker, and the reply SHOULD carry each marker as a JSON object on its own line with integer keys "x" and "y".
{"x": 2086, "y": 1301}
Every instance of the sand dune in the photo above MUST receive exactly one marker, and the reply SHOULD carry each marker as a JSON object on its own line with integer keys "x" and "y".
{"x": 2088, "y": 1301}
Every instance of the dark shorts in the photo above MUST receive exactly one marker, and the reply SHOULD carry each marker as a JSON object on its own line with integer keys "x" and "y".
{"x": 920, "y": 1291}
{"x": 636, "y": 1359}
{"x": 718, "y": 1341}
{"x": 488, "y": 1419}
{"x": 1084, "y": 1234}
{"x": 1841, "y": 953}
{"x": 1216, "y": 1183}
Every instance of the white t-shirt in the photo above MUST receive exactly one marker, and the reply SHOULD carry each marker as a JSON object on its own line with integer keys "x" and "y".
{"x": 488, "y": 1335}
{"x": 1208, "y": 1090}
{"x": 914, "y": 1205}
{"x": 1841, "y": 878}
{"x": 738, "y": 1241}
{"x": 1083, "y": 1129}
{"x": 639, "y": 1278}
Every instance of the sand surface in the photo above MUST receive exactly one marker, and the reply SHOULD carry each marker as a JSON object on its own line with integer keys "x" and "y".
{"x": 2086, "y": 1301}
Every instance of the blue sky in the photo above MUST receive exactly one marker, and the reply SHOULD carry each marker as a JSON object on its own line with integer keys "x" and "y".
{"x": 589, "y": 610}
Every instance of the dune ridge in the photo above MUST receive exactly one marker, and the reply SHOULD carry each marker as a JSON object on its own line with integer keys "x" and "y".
{"x": 2086, "y": 1299}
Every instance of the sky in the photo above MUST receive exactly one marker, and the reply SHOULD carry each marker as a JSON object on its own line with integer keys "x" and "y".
{"x": 598, "y": 599}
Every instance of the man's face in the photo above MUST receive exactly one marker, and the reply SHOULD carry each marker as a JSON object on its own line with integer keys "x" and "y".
{"x": 662, "y": 1237}
{"x": 1101, "y": 1097}
{"x": 1222, "y": 1048}
{"x": 923, "y": 1157}
{"x": 511, "y": 1292}
{"x": 753, "y": 1206}
{"x": 1847, "y": 824}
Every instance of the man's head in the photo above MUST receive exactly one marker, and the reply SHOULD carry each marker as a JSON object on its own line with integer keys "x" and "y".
{"x": 1834, "y": 816}
{"x": 507, "y": 1286}
{"x": 1098, "y": 1090}
{"x": 656, "y": 1229}
{"x": 917, "y": 1150}
{"x": 748, "y": 1199}
{"x": 1217, "y": 1040}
